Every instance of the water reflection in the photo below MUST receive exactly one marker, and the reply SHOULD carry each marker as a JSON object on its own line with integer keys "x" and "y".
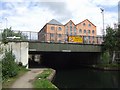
{"x": 86, "y": 78}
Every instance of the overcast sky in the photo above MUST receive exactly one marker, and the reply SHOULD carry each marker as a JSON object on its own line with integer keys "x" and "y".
{"x": 32, "y": 15}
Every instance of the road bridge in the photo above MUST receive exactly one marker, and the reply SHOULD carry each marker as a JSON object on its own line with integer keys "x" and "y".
{"x": 63, "y": 47}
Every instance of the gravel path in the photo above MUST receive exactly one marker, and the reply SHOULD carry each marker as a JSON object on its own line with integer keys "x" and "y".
{"x": 26, "y": 80}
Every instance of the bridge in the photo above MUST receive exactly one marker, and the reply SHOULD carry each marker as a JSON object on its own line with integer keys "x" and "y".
{"x": 37, "y": 50}
{"x": 63, "y": 47}
{"x": 63, "y": 54}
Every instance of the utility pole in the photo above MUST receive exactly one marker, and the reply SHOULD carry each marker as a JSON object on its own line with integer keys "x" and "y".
{"x": 102, "y": 11}
{"x": 6, "y": 22}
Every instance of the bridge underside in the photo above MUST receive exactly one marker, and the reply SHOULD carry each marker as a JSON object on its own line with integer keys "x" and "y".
{"x": 65, "y": 59}
{"x": 61, "y": 47}
{"x": 63, "y": 55}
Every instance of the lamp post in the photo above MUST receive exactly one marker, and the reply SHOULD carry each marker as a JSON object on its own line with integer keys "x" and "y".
{"x": 6, "y": 22}
{"x": 102, "y": 11}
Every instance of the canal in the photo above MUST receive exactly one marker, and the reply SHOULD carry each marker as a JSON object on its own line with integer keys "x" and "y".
{"x": 71, "y": 71}
{"x": 86, "y": 78}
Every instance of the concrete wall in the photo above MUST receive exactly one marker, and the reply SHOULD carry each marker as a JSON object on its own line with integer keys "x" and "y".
{"x": 20, "y": 50}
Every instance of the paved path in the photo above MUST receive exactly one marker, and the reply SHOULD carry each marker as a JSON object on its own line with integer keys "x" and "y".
{"x": 26, "y": 80}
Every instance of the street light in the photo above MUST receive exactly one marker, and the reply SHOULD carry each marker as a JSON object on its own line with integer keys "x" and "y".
{"x": 102, "y": 11}
{"x": 6, "y": 22}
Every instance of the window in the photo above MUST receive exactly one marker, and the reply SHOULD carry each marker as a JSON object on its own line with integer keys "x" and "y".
{"x": 70, "y": 28}
{"x": 60, "y": 28}
{"x": 88, "y": 37}
{"x": 84, "y": 31}
{"x": 66, "y": 27}
{"x": 52, "y": 28}
{"x": 93, "y": 31}
{"x": 93, "y": 37}
{"x": 88, "y": 31}
{"x": 70, "y": 23}
{"x": 59, "y": 35}
{"x": 51, "y": 35}
{"x": 70, "y": 33}
{"x": 66, "y": 31}
{"x": 85, "y": 38}
{"x": 75, "y": 33}
{"x": 89, "y": 25}
{"x": 75, "y": 29}
{"x": 80, "y": 31}
{"x": 83, "y": 24}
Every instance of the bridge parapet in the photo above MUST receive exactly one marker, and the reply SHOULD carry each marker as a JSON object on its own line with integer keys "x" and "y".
{"x": 61, "y": 47}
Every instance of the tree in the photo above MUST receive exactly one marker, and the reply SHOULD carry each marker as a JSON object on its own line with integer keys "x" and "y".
{"x": 110, "y": 40}
{"x": 118, "y": 38}
{"x": 9, "y": 33}
{"x": 110, "y": 43}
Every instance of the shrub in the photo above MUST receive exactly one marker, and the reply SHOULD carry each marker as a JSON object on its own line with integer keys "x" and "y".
{"x": 105, "y": 58}
{"x": 9, "y": 67}
{"x": 20, "y": 64}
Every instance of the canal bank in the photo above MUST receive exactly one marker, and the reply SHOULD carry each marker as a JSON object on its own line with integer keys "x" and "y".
{"x": 44, "y": 79}
{"x": 105, "y": 67}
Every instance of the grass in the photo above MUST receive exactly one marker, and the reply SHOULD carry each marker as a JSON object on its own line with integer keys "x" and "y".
{"x": 45, "y": 74}
{"x": 42, "y": 82}
{"x": 7, "y": 83}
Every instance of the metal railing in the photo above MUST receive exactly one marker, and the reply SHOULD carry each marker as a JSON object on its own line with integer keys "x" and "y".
{"x": 50, "y": 37}
{"x": 24, "y": 35}
{"x": 64, "y": 38}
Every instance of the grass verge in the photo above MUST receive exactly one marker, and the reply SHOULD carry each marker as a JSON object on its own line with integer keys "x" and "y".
{"x": 8, "y": 82}
{"x": 42, "y": 82}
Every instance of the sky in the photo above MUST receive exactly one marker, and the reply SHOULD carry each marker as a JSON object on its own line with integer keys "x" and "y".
{"x": 32, "y": 15}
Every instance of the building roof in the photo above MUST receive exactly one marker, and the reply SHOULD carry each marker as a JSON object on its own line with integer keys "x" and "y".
{"x": 86, "y": 20}
{"x": 55, "y": 22}
{"x": 69, "y": 22}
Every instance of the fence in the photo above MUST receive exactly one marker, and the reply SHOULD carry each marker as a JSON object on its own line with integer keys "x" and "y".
{"x": 64, "y": 38}
{"x": 24, "y": 35}
{"x": 50, "y": 37}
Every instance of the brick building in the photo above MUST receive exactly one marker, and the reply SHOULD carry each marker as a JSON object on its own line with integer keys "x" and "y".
{"x": 54, "y": 31}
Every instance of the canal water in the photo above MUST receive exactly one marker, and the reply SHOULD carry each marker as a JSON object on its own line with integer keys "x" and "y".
{"x": 86, "y": 78}
{"x": 71, "y": 71}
